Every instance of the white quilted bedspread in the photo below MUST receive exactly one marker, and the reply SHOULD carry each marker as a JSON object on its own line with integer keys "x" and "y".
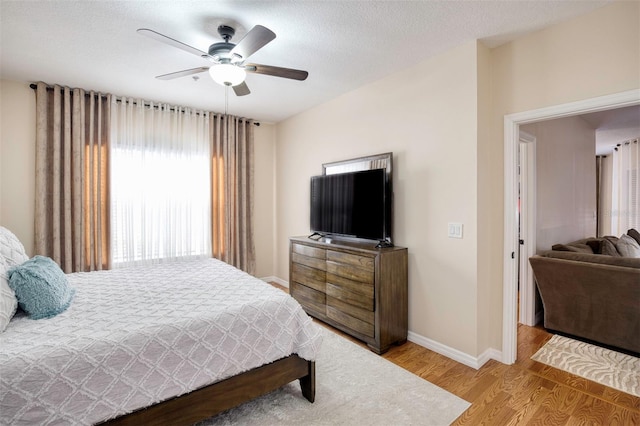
{"x": 135, "y": 337}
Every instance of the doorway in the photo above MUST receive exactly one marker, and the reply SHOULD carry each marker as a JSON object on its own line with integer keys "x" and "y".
{"x": 512, "y": 125}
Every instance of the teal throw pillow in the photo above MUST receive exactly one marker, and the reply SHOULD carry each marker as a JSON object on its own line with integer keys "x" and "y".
{"x": 41, "y": 287}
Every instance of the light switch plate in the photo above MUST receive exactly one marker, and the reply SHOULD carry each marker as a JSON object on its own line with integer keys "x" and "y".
{"x": 454, "y": 230}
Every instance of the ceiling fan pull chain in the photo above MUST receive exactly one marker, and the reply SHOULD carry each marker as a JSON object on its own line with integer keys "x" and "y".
{"x": 226, "y": 98}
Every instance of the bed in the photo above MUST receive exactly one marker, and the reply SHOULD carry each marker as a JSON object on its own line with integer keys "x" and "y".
{"x": 172, "y": 343}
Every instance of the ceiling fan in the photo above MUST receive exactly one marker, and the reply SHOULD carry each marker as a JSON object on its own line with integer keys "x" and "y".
{"x": 229, "y": 67}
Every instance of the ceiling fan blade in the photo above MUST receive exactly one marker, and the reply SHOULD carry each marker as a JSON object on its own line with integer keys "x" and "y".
{"x": 252, "y": 42}
{"x": 241, "y": 89}
{"x": 277, "y": 71}
{"x": 172, "y": 42}
{"x": 182, "y": 73}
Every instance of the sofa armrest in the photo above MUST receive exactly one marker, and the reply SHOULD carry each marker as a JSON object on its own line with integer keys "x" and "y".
{"x": 596, "y": 301}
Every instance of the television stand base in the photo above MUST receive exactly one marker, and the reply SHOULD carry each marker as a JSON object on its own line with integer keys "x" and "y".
{"x": 384, "y": 244}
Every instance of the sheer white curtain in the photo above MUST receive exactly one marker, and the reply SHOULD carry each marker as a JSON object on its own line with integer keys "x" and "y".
{"x": 160, "y": 183}
{"x": 604, "y": 165}
{"x": 625, "y": 197}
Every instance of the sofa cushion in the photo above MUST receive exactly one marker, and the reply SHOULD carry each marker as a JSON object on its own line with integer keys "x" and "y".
{"x": 629, "y": 262}
{"x": 573, "y": 247}
{"x": 604, "y": 245}
{"x": 633, "y": 233}
{"x": 628, "y": 247}
{"x": 596, "y": 245}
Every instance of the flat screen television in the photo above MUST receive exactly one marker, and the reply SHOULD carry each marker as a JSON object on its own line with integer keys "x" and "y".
{"x": 354, "y": 204}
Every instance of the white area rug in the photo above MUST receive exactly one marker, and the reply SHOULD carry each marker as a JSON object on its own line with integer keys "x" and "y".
{"x": 601, "y": 365}
{"x": 353, "y": 387}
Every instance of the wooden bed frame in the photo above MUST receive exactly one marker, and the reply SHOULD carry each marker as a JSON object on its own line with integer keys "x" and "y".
{"x": 221, "y": 396}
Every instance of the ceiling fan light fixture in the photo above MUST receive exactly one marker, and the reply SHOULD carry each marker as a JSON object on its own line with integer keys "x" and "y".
{"x": 227, "y": 74}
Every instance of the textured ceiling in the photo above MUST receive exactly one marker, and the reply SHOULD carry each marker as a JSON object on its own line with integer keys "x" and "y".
{"x": 343, "y": 44}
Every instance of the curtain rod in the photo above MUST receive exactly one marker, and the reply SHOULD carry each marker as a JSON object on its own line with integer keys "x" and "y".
{"x": 35, "y": 86}
{"x": 630, "y": 141}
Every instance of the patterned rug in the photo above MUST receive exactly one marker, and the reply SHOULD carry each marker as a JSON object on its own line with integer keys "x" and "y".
{"x": 353, "y": 387}
{"x": 592, "y": 362}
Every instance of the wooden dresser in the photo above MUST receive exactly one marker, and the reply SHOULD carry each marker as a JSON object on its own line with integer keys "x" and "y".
{"x": 352, "y": 286}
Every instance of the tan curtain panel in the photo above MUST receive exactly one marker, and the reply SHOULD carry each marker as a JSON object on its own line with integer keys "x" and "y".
{"x": 72, "y": 165}
{"x": 232, "y": 162}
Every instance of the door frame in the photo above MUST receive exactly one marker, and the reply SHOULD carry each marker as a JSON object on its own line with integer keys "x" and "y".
{"x": 512, "y": 124}
{"x": 527, "y": 228}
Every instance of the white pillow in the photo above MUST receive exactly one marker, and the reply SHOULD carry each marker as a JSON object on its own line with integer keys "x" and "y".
{"x": 8, "y": 300}
{"x": 11, "y": 254}
{"x": 627, "y": 246}
{"x": 11, "y": 249}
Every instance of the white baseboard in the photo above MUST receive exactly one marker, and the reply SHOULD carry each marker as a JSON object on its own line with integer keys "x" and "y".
{"x": 487, "y": 355}
{"x": 455, "y": 354}
{"x": 276, "y": 280}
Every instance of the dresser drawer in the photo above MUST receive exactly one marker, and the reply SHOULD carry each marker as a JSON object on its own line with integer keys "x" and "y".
{"x": 312, "y": 262}
{"x": 354, "y": 273}
{"x": 309, "y": 251}
{"x": 364, "y": 262}
{"x": 313, "y": 301}
{"x": 357, "y": 319}
{"x": 352, "y": 292}
{"x": 310, "y": 277}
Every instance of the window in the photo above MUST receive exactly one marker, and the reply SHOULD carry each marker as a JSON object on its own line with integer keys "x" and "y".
{"x": 625, "y": 194}
{"x": 160, "y": 185}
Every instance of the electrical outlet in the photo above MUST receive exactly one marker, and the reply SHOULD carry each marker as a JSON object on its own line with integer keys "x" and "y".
{"x": 454, "y": 230}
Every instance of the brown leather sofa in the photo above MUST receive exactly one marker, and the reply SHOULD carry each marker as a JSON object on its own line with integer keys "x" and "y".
{"x": 591, "y": 296}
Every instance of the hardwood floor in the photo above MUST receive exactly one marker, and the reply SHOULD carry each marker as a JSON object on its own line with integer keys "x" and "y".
{"x": 529, "y": 392}
{"x": 524, "y": 393}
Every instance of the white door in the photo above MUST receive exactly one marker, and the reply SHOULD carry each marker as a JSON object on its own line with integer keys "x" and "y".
{"x": 527, "y": 227}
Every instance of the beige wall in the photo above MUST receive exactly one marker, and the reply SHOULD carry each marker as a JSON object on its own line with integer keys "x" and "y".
{"x": 444, "y": 125}
{"x": 17, "y": 160}
{"x": 590, "y": 56}
{"x": 565, "y": 180}
{"x": 486, "y": 289}
{"x": 264, "y": 192}
{"x": 593, "y": 55}
{"x": 17, "y": 173}
{"x": 426, "y": 116}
